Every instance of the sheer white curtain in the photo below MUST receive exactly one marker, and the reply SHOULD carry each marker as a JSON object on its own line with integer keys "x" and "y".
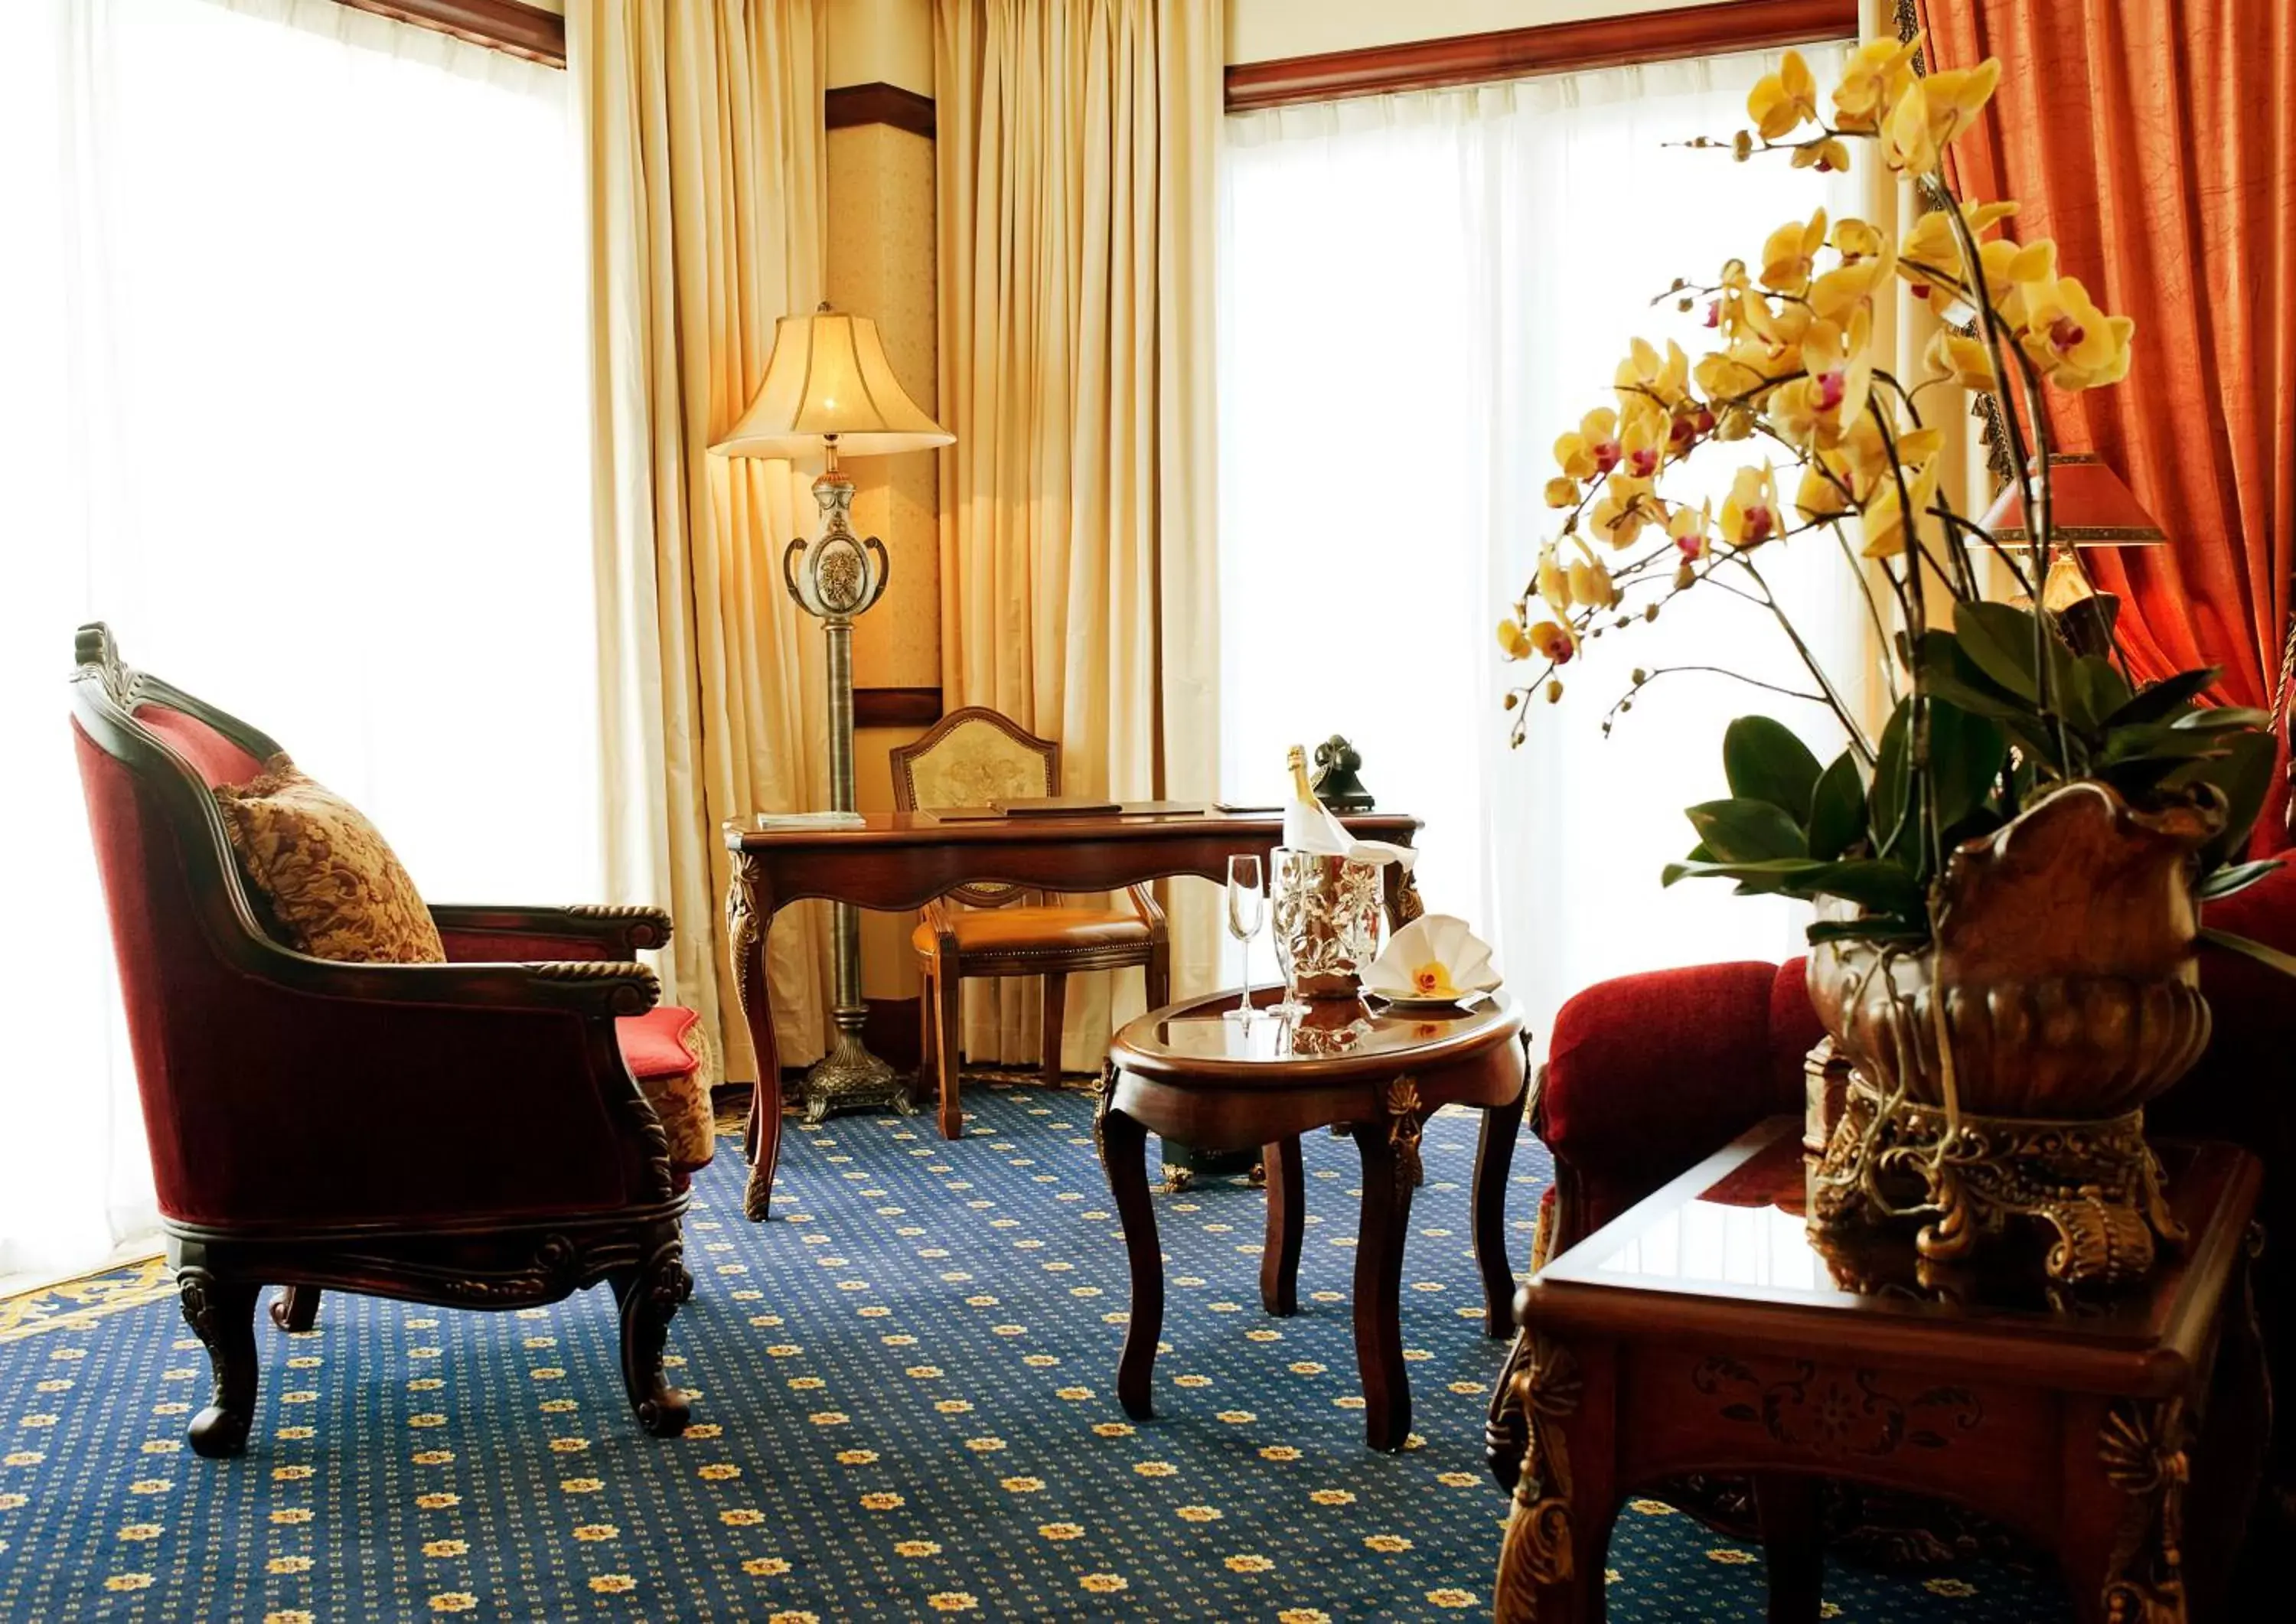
{"x": 1419, "y": 293}
{"x": 292, "y": 393}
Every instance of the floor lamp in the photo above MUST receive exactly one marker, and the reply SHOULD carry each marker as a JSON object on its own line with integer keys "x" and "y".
{"x": 828, "y": 388}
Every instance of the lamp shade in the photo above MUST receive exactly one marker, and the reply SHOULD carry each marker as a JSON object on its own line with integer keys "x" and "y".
{"x": 828, "y": 377}
{"x": 2089, "y": 507}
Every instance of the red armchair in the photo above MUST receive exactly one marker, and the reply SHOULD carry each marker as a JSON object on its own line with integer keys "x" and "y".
{"x": 468, "y": 1134}
{"x": 1648, "y": 1074}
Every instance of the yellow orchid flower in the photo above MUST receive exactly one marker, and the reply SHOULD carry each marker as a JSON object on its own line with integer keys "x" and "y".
{"x": 1689, "y": 526}
{"x": 1885, "y": 518}
{"x": 1854, "y": 240}
{"x": 1850, "y": 287}
{"x": 1621, "y": 511}
{"x": 1561, "y": 492}
{"x": 1644, "y": 434}
{"x": 1591, "y": 584}
{"x": 1877, "y": 76}
{"x": 1782, "y": 100}
{"x": 1817, "y": 496}
{"x": 2076, "y": 345}
{"x": 1553, "y": 641}
{"x": 1815, "y": 409}
{"x": 1740, "y": 370}
{"x": 1645, "y": 373}
{"x": 1749, "y": 515}
{"x": 1966, "y": 361}
{"x": 1790, "y": 252}
{"x": 1514, "y": 643}
{"x": 1826, "y": 154}
{"x": 1593, "y": 447}
{"x": 1933, "y": 111}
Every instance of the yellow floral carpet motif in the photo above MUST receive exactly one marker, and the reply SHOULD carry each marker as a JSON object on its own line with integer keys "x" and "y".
{"x": 906, "y": 1410}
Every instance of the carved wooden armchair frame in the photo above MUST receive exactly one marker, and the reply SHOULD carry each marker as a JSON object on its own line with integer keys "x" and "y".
{"x": 946, "y": 964}
{"x": 465, "y": 1133}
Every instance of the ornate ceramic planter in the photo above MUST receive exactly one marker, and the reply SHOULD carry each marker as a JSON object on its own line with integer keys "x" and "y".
{"x": 2000, "y": 1074}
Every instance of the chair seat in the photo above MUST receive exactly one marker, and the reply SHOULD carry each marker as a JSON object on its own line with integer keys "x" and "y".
{"x": 669, "y": 1050}
{"x": 989, "y": 931}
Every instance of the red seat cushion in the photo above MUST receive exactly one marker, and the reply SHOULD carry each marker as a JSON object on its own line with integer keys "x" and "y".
{"x": 668, "y": 1051}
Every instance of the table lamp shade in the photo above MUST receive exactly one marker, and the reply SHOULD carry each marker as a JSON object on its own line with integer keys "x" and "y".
{"x": 2089, "y": 507}
{"x": 828, "y": 376}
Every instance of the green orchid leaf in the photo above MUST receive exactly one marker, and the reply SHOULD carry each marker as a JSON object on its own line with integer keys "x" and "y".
{"x": 1999, "y": 642}
{"x": 2284, "y": 963}
{"x": 2158, "y": 701}
{"x": 1743, "y": 831}
{"x": 1873, "y": 927}
{"x": 1766, "y": 760}
{"x": 2221, "y": 719}
{"x": 1967, "y": 754}
{"x": 1893, "y": 781}
{"x": 1949, "y": 674}
{"x": 2096, "y": 690}
{"x": 2245, "y": 776}
{"x": 1837, "y": 809}
{"x": 2235, "y": 877}
{"x": 1886, "y": 888}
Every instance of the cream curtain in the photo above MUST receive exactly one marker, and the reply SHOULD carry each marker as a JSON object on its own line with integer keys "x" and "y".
{"x": 701, "y": 124}
{"x": 1077, "y": 196}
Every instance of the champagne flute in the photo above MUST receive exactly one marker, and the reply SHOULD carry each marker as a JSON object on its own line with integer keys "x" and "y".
{"x": 1247, "y": 916}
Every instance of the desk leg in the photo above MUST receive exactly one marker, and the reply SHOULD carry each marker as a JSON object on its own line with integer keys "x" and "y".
{"x": 1378, "y": 1289}
{"x": 1793, "y": 1554}
{"x": 1287, "y": 1216}
{"x": 1493, "y": 1165}
{"x": 1123, "y": 1145}
{"x": 749, "y": 916}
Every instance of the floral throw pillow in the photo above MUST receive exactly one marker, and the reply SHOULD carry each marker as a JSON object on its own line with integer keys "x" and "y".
{"x": 334, "y": 887}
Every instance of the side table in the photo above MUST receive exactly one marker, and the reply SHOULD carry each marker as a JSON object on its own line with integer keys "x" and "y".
{"x": 1702, "y": 1330}
{"x": 1186, "y": 1073}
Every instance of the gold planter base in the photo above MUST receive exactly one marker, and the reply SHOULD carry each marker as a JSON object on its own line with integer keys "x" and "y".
{"x": 2094, "y": 1184}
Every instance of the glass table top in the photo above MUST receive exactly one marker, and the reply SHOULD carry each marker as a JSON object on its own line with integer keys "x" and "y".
{"x": 1736, "y": 1229}
{"x": 1331, "y": 1029}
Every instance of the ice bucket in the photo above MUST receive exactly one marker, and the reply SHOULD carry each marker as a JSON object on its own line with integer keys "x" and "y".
{"x": 1326, "y": 921}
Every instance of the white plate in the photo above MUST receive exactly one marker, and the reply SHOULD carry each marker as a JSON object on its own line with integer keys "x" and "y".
{"x": 1465, "y": 1000}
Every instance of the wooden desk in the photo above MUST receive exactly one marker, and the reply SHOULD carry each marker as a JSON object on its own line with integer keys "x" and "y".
{"x": 1189, "y": 1074}
{"x": 1702, "y": 1332}
{"x": 901, "y": 860}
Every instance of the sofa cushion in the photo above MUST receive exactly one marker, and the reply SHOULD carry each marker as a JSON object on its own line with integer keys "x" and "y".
{"x": 333, "y": 885}
{"x": 668, "y": 1049}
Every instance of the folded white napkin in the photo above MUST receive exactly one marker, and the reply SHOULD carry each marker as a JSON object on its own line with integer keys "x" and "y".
{"x": 1434, "y": 956}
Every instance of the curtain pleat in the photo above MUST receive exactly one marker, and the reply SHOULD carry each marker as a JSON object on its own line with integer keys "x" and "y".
{"x": 701, "y": 124}
{"x": 2155, "y": 144}
{"x": 1075, "y": 152}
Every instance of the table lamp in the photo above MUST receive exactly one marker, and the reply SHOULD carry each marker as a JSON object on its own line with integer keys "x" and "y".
{"x": 829, "y": 389}
{"x": 2088, "y": 507}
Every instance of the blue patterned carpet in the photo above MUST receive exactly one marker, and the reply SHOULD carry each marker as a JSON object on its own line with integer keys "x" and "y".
{"x": 906, "y": 1409}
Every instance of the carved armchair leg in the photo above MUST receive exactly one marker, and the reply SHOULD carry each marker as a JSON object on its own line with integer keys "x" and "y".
{"x": 222, "y": 1313}
{"x": 296, "y": 1308}
{"x": 649, "y": 1297}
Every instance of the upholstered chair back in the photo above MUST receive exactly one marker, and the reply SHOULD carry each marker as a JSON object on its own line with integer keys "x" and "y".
{"x": 972, "y": 758}
{"x": 230, "y": 1063}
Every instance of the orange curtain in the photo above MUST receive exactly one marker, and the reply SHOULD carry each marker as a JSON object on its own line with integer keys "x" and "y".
{"x": 2155, "y": 139}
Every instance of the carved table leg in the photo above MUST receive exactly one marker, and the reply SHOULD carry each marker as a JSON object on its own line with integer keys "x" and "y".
{"x": 2121, "y": 1547}
{"x": 296, "y": 1308}
{"x": 1287, "y": 1214}
{"x": 1493, "y": 1165}
{"x": 222, "y": 1313}
{"x": 1558, "y": 1535}
{"x": 749, "y": 919}
{"x": 1379, "y": 1286}
{"x": 1124, "y": 1145}
{"x": 1792, "y": 1549}
{"x": 649, "y": 1297}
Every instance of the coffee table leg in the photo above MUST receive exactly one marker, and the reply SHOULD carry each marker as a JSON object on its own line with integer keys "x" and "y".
{"x": 1287, "y": 1216}
{"x": 1794, "y": 1552}
{"x": 1378, "y": 1289}
{"x": 1493, "y": 1165}
{"x": 1123, "y": 1145}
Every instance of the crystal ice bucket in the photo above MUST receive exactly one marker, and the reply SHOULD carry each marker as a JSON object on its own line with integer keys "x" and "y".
{"x": 1326, "y": 921}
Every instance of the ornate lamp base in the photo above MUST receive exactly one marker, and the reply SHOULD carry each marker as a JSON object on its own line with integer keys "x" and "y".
{"x": 850, "y": 1077}
{"x": 2095, "y": 1185}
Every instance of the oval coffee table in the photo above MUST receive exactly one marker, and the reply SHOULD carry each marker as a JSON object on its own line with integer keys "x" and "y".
{"x": 1184, "y": 1073}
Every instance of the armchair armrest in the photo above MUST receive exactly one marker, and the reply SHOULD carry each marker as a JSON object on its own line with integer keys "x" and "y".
{"x": 482, "y": 931}
{"x": 1143, "y": 899}
{"x": 594, "y": 987}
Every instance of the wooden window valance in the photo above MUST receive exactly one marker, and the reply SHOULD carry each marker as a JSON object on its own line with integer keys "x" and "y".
{"x": 1508, "y": 53}
{"x": 500, "y": 25}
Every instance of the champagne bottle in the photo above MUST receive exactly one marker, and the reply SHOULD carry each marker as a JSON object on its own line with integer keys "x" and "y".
{"x": 1307, "y": 824}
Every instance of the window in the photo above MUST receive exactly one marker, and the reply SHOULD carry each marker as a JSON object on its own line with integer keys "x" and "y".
{"x": 1419, "y": 293}
{"x": 294, "y": 395}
